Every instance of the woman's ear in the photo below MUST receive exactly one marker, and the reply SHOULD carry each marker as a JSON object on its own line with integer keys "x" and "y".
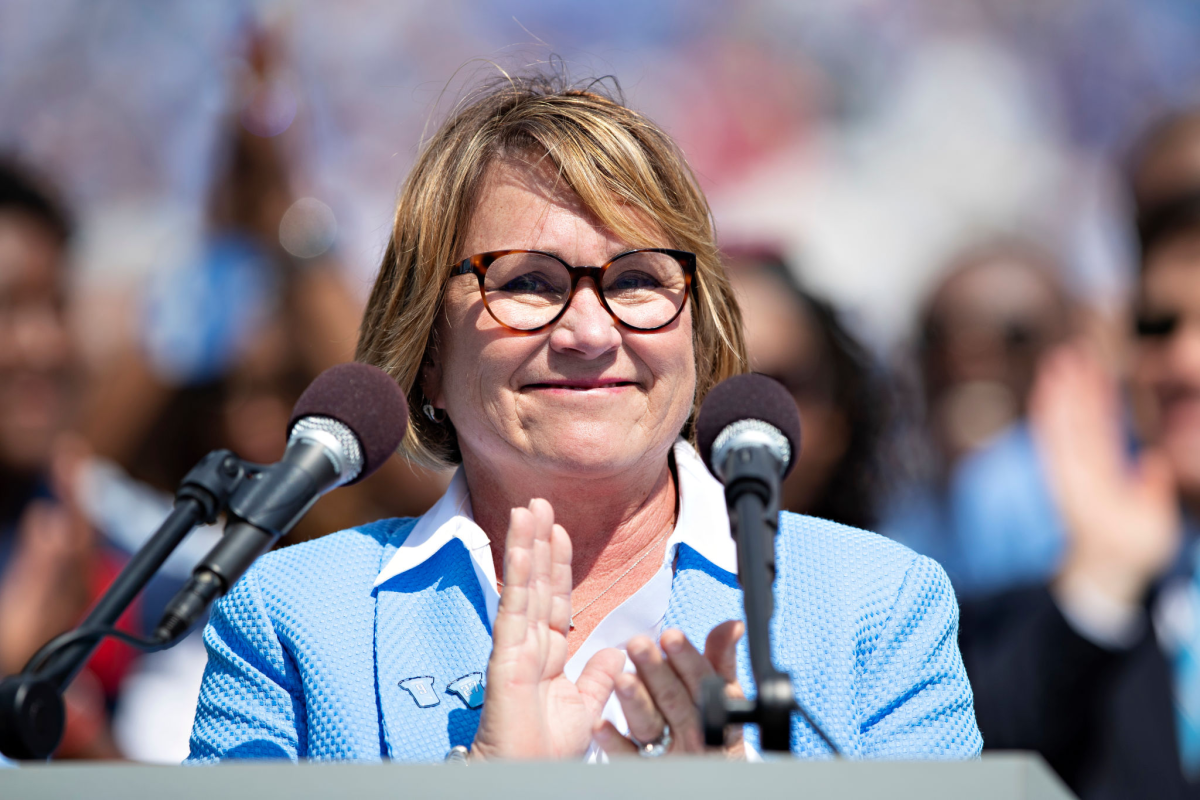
{"x": 431, "y": 376}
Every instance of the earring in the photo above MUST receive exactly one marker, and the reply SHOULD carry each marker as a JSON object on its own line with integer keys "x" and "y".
{"x": 435, "y": 415}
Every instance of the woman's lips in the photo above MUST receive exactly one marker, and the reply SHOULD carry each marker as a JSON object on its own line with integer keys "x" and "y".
{"x": 581, "y": 387}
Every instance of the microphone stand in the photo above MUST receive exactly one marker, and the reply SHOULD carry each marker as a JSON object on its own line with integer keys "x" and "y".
{"x": 752, "y": 492}
{"x": 32, "y": 714}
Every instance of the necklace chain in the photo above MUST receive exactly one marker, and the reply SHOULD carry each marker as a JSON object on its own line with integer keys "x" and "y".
{"x": 620, "y": 578}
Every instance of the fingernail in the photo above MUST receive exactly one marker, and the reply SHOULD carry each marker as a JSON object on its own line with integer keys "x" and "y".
{"x": 673, "y": 646}
{"x": 626, "y": 689}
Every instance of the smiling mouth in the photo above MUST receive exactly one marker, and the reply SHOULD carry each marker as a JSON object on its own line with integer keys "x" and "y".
{"x": 581, "y": 386}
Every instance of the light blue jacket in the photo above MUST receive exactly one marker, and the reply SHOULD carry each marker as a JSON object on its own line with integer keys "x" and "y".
{"x": 306, "y": 657}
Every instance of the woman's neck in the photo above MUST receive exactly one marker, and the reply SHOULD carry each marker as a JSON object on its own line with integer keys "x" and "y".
{"x": 611, "y": 521}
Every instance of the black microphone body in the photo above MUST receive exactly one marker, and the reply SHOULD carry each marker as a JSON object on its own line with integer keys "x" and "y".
{"x": 749, "y": 434}
{"x": 751, "y": 471}
{"x": 265, "y": 507}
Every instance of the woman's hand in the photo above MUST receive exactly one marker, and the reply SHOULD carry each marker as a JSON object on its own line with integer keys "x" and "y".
{"x": 530, "y": 709}
{"x": 666, "y": 691}
{"x": 1122, "y": 519}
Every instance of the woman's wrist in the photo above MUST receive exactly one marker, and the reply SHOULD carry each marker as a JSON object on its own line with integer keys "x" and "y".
{"x": 1102, "y": 604}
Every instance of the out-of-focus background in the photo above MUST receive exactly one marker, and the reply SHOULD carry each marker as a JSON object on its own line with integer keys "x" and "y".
{"x": 918, "y": 199}
{"x": 869, "y": 139}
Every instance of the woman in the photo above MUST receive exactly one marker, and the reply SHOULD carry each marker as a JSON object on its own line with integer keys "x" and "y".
{"x": 567, "y": 394}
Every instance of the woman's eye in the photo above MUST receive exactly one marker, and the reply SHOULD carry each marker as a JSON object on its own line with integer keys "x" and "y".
{"x": 530, "y": 283}
{"x": 634, "y": 280}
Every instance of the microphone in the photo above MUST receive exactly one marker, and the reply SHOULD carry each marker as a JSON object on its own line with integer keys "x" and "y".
{"x": 344, "y": 427}
{"x": 749, "y": 430}
{"x": 749, "y": 435}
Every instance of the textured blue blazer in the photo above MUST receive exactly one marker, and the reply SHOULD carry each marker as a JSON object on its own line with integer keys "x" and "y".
{"x": 306, "y": 657}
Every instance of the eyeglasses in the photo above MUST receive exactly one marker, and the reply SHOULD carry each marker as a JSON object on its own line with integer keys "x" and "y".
{"x": 528, "y": 290}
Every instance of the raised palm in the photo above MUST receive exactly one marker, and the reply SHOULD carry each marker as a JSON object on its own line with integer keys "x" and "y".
{"x": 1122, "y": 518}
{"x": 531, "y": 710}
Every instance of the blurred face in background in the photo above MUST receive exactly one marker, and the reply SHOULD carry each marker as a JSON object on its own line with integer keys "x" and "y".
{"x": 986, "y": 327}
{"x": 35, "y": 348}
{"x": 783, "y": 342}
{"x": 1166, "y": 366}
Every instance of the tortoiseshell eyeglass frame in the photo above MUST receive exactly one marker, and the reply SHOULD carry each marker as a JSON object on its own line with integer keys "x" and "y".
{"x": 479, "y": 263}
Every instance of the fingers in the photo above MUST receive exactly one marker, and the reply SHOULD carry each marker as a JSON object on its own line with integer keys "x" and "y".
{"x": 539, "y": 614}
{"x": 1076, "y": 424}
{"x": 68, "y": 469}
{"x": 561, "y": 580}
{"x": 687, "y": 662}
{"x": 45, "y": 533}
{"x": 1155, "y": 474}
{"x": 666, "y": 689}
{"x": 511, "y": 617}
{"x": 641, "y": 714}
{"x": 599, "y": 676}
{"x": 671, "y": 695}
{"x": 529, "y": 576}
{"x": 1075, "y": 409}
{"x": 720, "y": 649}
{"x": 612, "y": 742}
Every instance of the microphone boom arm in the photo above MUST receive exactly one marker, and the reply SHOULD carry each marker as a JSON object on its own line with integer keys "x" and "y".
{"x": 32, "y": 715}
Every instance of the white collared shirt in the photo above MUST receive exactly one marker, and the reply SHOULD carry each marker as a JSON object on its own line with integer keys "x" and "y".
{"x": 703, "y": 524}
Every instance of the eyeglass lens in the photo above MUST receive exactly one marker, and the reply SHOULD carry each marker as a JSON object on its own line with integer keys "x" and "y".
{"x": 528, "y": 290}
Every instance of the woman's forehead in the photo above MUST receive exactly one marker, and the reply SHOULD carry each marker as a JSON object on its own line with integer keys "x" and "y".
{"x": 536, "y": 185}
{"x": 527, "y": 203}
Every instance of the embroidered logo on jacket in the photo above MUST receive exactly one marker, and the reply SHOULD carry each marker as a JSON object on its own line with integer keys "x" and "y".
{"x": 470, "y": 688}
{"x": 421, "y": 689}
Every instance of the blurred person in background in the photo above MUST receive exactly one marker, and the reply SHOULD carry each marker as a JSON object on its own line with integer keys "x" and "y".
{"x": 228, "y": 341}
{"x": 800, "y": 341}
{"x": 977, "y": 503}
{"x": 1099, "y": 668}
{"x": 52, "y": 563}
{"x": 226, "y": 344}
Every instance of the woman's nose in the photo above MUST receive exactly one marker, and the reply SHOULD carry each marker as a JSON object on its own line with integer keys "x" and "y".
{"x": 586, "y": 329}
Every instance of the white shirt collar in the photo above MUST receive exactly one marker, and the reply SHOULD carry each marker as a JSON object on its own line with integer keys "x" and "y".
{"x": 703, "y": 524}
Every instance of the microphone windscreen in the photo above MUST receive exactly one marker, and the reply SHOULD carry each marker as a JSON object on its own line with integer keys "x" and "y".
{"x": 366, "y": 400}
{"x": 748, "y": 397}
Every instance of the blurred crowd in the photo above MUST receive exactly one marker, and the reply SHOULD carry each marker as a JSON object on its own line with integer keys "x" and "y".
{"x": 1042, "y": 445}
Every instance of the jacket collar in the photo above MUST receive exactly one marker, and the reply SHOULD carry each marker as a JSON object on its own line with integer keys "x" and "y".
{"x": 436, "y": 602}
{"x": 702, "y": 524}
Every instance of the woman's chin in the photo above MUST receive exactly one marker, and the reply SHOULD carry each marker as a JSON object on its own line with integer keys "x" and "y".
{"x": 591, "y": 451}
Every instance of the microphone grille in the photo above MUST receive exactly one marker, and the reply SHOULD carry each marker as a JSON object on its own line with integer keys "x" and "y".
{"x": 338, "y": 437}
{"x": 367, "y": 401}
{"x": 749, "y": 398}
{"x": 750, "y": 432}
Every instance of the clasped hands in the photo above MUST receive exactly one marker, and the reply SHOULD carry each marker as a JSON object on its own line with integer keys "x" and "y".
{"x": 532, "y": 711}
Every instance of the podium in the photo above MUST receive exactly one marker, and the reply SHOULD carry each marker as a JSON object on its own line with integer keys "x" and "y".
{"x": 1004, "y": 776}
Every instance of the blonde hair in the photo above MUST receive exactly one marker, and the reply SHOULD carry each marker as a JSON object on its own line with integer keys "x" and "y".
{"x": 623, "y": 167}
